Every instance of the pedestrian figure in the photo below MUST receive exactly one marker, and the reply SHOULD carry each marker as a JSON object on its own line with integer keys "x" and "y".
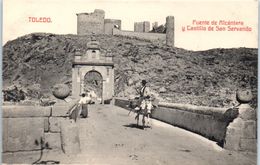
{"x": 83, "y": 105}
{"x": 81, "y": 108}
{"x": 146, "y": 104}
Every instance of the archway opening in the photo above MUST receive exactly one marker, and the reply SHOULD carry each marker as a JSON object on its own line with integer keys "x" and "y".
{"x": 93, "y": 82}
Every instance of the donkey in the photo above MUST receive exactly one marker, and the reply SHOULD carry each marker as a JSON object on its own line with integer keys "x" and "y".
{"x": 136, "y": 105}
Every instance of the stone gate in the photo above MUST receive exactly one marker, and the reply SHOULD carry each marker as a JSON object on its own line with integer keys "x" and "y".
{"x": 93, "y": 60}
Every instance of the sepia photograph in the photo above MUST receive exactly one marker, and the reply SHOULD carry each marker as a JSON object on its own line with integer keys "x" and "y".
{"x": 120, "y": 82}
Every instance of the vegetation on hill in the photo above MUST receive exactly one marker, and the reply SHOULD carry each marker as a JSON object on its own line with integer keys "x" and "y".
{"x": 36, "y": 62}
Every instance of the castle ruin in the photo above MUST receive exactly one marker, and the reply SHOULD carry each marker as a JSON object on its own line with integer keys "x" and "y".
{"x": 95, "y": 23}
{"x": 170, "y": 31}
{"x": 142, "y": 26}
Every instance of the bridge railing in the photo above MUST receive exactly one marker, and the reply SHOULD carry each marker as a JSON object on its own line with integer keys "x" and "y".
{"x": 209, "y": 122}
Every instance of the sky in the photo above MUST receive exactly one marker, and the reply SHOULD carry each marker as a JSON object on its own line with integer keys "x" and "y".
{"x": 63, "y": 17}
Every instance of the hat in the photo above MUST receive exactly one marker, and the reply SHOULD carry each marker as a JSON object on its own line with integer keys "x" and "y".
{"x": 144, "y": 82}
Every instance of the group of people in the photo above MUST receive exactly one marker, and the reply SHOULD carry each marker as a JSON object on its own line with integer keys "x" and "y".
{"x": 144, "y": 106}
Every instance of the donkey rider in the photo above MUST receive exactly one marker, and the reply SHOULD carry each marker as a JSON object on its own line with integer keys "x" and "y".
{"x": 146, "y": 103}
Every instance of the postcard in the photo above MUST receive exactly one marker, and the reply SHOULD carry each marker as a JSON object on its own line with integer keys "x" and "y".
{"x": 129, "y": 82}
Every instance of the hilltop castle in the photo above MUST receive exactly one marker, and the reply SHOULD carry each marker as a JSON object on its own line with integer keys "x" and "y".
{"x": 95, "y": 23}
{"x": 89, "y": 23}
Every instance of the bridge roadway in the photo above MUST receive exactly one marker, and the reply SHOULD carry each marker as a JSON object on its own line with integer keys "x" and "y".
{"x": 109, "y": 136}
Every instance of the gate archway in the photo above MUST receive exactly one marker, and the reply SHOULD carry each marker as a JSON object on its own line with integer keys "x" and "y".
{"x": 93, "y": 82}
{"x": 93, "y": 68}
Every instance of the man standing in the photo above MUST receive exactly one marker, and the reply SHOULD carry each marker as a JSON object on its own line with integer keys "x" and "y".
{"x": 146, "y": 103}
{"x": 145, "y": 95}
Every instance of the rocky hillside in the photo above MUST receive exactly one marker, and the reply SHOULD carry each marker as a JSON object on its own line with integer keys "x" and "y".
{"x": 36, "y": 62}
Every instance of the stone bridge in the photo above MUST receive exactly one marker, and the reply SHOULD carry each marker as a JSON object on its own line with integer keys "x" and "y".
{"x": 109, "y": 136}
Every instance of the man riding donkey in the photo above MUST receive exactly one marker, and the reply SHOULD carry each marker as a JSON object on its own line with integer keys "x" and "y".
{"x": 145, "y": 104}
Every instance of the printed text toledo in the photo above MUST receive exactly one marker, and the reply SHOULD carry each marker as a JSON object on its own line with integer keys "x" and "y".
{"x": 40, "y": 19}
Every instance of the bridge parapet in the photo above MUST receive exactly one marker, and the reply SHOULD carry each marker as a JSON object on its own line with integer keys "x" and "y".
{"x": 209, "y": 122}
{"x": 26, "y": 127}
{"x": 241, "y": 133}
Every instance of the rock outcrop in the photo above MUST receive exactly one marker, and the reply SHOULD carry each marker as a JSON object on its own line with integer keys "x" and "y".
{"x": 197, "y": 77}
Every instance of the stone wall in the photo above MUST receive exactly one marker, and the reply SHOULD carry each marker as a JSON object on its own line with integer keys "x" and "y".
{"x": 146, "y": 26}
{"x": 170, "y": 26}
{"x": 88, "y": 23}
{"x": 140, "y": 35}
{"x": 209, "y": 122}
{"x": 95, "y": 23}
{"x": 213, "y": 123}
{"x": 142, "y": 26}
{"x": 110, "y": 24}
{"x": 241, "y": 134}
{"x": 138, "y": 27}
{"x": 24, "y": 127}
{"x": 18, "y": 123}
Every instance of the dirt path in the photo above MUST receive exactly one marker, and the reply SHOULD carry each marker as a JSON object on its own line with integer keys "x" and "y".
{"x": 108, "y": 136}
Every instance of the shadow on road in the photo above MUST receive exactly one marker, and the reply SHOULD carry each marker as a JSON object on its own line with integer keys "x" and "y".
{"x": 132, "y": 125}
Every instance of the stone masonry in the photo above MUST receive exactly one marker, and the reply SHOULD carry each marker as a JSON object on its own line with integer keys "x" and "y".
{"x": 138, "y": 27}
{"x": 170, "y": 31}
{"x": 241, "y": 133}
{"x": 93, "y": 61}
{"x": 142, "y": 26}
{"x": 95, "y": 23}
{"x": 25, "y": 126}
{"x": 146, "y": 26}
{"x": 110, "y": 24}
{"x": 88, "y": 23}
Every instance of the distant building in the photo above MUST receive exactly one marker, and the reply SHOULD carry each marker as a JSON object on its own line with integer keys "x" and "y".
{"x": 142, "y": 26}
{"x": 95, "y": 23}
{"x": 89, "y": 23}
{"x": 110, "y": 24}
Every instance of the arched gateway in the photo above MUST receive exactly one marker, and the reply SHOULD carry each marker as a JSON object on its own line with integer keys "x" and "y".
{"x": 93, "y": 61}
